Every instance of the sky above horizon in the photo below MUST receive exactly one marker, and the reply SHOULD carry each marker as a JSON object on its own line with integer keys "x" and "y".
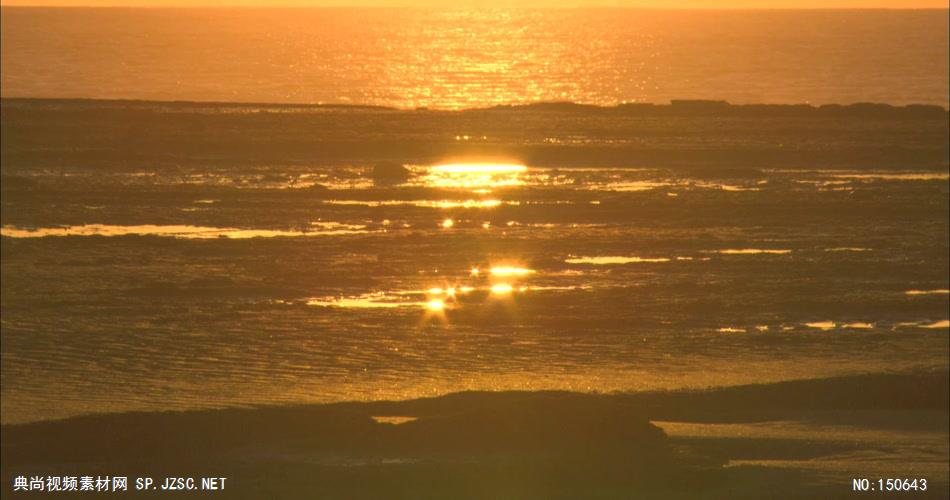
{"x": 893, "y": 4}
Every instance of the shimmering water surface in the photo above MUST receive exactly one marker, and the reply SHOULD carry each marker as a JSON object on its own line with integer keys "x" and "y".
{"x": 461, "y": 59}
{"x": 193, "y": 287}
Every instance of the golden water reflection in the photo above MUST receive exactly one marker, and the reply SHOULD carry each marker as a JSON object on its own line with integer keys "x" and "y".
{"x": 372, "y": 300}
{"x": 510, "y": 271}
{"x": 435, "y": 305}
{"x": 393, "y": 420}
{"x": 479, "y": 176}
{"x": 611, "y": 260}
{"x": 491, "y": 203}
{"x": 479, "y": 168}
{"x": 435, "y": 300}
{"x": 752, "y": 251}
{"x": 183, "y": 231}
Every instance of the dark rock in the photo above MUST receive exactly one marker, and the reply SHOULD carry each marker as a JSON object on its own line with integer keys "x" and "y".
{"x": 389, "y": 173}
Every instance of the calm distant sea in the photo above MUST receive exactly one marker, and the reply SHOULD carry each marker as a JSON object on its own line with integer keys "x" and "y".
{"x": 451, "y": 59}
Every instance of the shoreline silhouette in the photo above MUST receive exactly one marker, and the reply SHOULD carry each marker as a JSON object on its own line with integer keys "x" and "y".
{"x": 544, "y": 444}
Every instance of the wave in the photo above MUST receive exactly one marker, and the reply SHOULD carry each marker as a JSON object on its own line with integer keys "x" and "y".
{"x": 709, "y": 134}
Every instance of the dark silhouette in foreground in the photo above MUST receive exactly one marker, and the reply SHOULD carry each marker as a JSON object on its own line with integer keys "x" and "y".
{"x": 493, "y": 445}
{"x": 389, "y": 173}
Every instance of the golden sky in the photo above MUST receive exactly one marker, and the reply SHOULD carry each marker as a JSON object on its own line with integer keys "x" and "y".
{"x": 500, "y": 3}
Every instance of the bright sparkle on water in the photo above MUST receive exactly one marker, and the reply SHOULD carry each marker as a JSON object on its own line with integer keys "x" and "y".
{"x": 608, "y": 260}
{"x": 510, "y": 271}
{"x": 476, "y": 176}
{"x": 480, "y": 168}
{"x": 182, "y": 231}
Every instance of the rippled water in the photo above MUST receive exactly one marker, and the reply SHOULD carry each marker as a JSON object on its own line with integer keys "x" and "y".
{"x": 195, "y": 287}
{"x": 456, "y": 58}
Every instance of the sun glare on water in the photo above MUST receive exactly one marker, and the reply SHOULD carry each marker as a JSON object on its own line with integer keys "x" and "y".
{"x": 476, "y": 176}
{"x": 510, "y": 271}
{"x": 480, "y": 168}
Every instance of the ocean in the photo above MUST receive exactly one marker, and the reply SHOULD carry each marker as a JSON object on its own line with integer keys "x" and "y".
{"x": 453, "y": 59}
{"x": 152, "y": 259}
